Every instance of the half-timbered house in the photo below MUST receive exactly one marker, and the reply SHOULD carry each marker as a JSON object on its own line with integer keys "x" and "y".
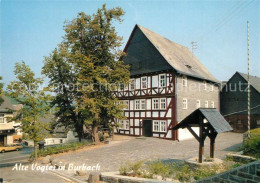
{"x": 167, "y": 83}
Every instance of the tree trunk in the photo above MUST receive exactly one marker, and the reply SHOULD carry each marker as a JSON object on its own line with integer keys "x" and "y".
{"x": 80, "y": 136}
{"x": 113, "y": 133}
{"x": 95, "y": 134}
{"x": 35, "y": 150}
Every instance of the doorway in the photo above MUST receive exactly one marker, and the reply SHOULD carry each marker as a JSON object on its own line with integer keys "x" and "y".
{"x": 3, "y": 140}
{"x": 148, "y": 128}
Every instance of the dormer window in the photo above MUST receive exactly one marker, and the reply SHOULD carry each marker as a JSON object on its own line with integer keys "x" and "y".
{"x": 162, "y": 80}
{"x": 184, "y": 81}
{"x": 143, "y": 82}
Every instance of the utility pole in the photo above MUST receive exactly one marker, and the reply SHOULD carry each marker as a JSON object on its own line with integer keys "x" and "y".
{"x": 194, "y": 46}
{"x": 248, "y": 79}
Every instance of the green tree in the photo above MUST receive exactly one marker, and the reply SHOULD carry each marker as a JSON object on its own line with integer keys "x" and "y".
{"x": 1, "y": 90}
{"x": 58, "y": 68}
{"x": 93, "y": 61}
{"x": 94, "y": 46}
{"x": 27, "y": 90}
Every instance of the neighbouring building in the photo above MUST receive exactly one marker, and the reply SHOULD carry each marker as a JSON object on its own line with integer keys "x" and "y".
{"x": 10, "y": 132}
{"x": 234, "y": 101}
{"x": 60, "y": 134}
{"x": 167, "y": 83}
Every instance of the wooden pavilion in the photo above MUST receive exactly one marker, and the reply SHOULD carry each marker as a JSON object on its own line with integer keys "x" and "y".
{"x": 210, "y": 123}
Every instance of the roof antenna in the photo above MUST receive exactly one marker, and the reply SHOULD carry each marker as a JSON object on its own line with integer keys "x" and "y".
{"x": 194, "y": 46}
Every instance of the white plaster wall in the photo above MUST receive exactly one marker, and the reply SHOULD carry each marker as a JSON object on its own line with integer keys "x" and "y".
{"x": 9, "y": 139}
{"x": 185, "y": 134}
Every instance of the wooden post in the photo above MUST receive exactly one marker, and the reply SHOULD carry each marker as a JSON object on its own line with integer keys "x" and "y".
{"x": 201, "y": 148}
{"x": 212, "y": 147}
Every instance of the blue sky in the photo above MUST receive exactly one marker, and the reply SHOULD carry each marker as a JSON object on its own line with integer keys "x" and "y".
{"x": 30, "y": 30}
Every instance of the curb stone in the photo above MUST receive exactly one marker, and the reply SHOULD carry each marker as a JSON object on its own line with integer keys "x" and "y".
{"x": 68, "y": 178}
{"x": 111, "y": 176}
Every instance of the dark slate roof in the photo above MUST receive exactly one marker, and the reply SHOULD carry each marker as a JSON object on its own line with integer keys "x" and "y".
{"x": 6, "y": 106}
{"x": 254, "y": 80}
{"x": 177, "y": 56}
{"x": 215, "y": 119}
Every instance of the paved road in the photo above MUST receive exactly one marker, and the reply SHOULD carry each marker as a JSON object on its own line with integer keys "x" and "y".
{"x": 12, "y": 176}
{"x": 112, "y": 155}
{"x": 9, "y": 159}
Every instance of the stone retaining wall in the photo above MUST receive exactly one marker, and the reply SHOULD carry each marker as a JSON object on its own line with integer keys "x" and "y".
{"x": 249, "y": 173}
{"x": 114, "y": 177}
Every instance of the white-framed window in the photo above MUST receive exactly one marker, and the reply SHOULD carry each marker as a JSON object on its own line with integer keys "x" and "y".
{"x": 211, "y": 87}
{"x": 126, "y": 104}
{"x": 198, "y": 104}
{"x": 163, "y": 103}
{"x": 121, "y": 124}
{"x": 156, "y": 126}
{"x": 143, "y": 82}
{"x": 2, "y": 119}
{"x": 162, "y": 80}
{"x": 137, "y": 104}
{"x": 163, "y": 126}
{"x": 184, "y": 103}
{"x": 184, "y": 80}
{"x": 206, "y": 104}
{"x": 143, "y": 104}
{"x": 121, "y": 87}
{"x": 132, "y": 84}
{"x": 212, "y": 104}
{"x": 155, "y": 103}
{"x": 127, "y": 127}
{"x": 204, "y": 85}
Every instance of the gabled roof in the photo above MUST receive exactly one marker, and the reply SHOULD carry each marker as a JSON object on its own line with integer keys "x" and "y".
{"x": 215, "y": 119}
{"x": 176, "y": 55}
{"x": 254, "y": 80}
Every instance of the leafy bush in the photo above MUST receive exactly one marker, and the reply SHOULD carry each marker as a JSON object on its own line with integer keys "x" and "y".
{"x": 158, "y": 168}
{"x": 124, "y": 168}
{"x": 135, "y": 167}
{"x": 131, "y": 168}
{"x": 184, "y": 174}
{"x": 61, "y": 148}
{"x": 251, "y": 145}
{"x": 204, "y": 172}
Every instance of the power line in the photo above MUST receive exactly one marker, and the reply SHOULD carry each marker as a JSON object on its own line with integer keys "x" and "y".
{"x": 235, "y": 10}
{"x": 234, "y": 13}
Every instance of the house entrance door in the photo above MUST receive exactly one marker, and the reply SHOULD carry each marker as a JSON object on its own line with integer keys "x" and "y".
{"x": 147, "y": 128}
{"x": 2, "y": 140}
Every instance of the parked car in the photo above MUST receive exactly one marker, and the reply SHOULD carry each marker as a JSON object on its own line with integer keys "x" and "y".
{"x": 13, "y": 147}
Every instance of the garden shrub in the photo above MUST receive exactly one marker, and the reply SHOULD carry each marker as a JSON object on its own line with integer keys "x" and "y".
{"x": 159, "y": 168}
{"x": 61, "y": 148}
{"x": 251, "y": 145}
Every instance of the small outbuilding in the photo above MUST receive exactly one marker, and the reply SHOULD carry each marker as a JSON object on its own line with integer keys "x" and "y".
{"x": 210, "y": 123}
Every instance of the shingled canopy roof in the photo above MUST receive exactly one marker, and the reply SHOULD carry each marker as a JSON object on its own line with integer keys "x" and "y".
{"x": 215, "y": 119}
{"x": 153, "y": 52}
{"x": 214, "y": 124}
